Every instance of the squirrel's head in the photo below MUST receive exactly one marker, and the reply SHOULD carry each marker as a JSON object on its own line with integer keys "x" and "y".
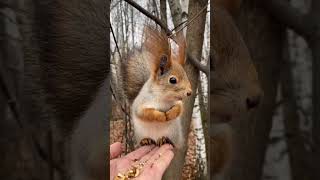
{"x": 168, "y": 78}
{"x": 235, "y": 89}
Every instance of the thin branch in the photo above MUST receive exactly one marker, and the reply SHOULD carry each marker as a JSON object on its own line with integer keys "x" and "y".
{"x": 289, "y": 16}
{"x": 198, "y": 64}
{"x": 116, "y": 99}
{"x": 189, "y": 21}
{"x": 115, "y": 41}
{"x": 151, "y": 16}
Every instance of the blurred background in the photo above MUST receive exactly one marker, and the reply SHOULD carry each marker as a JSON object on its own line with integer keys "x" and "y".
{"x": 281, "y": 140}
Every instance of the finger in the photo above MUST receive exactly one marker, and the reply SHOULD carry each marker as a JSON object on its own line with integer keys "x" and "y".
{"x": 160, "y": 151}
{"x": 115, "y": 150}
{"x": 128, "y": 160}
{"x": 161, "y": 164}
{"x": 149, "y": 155}
{"x": 137, "y": 154}
{"x": 158, "y": 167}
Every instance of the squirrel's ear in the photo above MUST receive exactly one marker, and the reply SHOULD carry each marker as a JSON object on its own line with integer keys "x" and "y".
{"x": 162, "y": 66}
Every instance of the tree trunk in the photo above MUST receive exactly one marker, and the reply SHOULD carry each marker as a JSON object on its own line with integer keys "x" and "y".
{"x": 163, "y": 11}
{"x": 298, "y": 154}
{"x": 176, "y": 11}
{"x": 263, "y": 37}
{"x": 195, "y": 33}
{"x": 203, "y": 114}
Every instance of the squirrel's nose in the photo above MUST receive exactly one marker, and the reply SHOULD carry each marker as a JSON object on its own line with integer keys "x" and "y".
{"x": 189, "y": 92}
{"x": 253, "y": 102}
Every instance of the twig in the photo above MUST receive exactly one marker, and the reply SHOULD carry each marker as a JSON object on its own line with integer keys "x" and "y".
{"x": 205, "y": 69}
{"x": 189, "y": 21}
{"x": 121, "y": 106}
{"x": 115, "y": 41}
{"x": 151, "y": 16}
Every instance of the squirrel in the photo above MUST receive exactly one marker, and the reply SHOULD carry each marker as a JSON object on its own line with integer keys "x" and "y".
{"x": 66, "y": 77}
{"x": 156, "y": 85}
{"x": 235, "y": 88}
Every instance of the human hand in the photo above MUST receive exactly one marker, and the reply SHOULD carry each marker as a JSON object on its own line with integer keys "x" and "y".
{"x": 157, "y": 161}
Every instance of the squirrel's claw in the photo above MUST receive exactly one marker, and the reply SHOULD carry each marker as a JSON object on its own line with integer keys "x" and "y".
{"x": 147, "y": 141}
{"x": 164, "y": 140}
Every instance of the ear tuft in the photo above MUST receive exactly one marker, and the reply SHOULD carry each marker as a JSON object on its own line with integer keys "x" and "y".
{"x": 181, "y": 42}
{"x": 156, "y": 43}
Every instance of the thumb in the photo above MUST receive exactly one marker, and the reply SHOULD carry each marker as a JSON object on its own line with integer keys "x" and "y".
{"x": 115, "y": 150}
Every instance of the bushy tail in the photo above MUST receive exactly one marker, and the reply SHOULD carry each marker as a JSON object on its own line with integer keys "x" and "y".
{"x": 71, "y": 60}
{"x": 136, "y": 69}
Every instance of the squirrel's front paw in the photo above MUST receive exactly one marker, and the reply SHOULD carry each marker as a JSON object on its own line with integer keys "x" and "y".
{"x": 174, "y": 112}
{"x": 147, "y": 141}
{"x": 151, "y": 114}
{"x": 164, "y": 140}
{"x": 160, "y": 116}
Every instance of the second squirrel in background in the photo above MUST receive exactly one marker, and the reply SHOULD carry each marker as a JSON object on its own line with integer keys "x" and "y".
{"x": 156, "y": 84}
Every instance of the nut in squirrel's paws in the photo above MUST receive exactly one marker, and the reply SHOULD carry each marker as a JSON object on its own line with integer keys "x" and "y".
{"x": 147, "y": 141}
{"x": 164, "y": 140}
{"x": 174, "y": 112}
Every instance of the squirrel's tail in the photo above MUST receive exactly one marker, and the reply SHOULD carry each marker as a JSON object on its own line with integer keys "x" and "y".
{"x": 136, "y": 68}
{"x": 135, "y": 72}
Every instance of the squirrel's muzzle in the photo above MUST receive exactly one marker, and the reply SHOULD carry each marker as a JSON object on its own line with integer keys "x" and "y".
{"x": 188, "y": 92}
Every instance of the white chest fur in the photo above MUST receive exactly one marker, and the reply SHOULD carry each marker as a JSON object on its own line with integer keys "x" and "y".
{"x": 155, "y": 130}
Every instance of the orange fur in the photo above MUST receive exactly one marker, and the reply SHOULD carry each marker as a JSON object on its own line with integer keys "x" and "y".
{"x": 174, "y": 112}
{"x": 150, "y": 114}
{"x": 157, "y": 44}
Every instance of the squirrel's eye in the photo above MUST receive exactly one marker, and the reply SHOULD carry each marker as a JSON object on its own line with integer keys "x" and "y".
{"x": 173, "y": 80}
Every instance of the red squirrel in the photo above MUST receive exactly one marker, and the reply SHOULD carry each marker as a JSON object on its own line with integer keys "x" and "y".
{"x": 157, "y": 84}
{"x": 235, "y": 88}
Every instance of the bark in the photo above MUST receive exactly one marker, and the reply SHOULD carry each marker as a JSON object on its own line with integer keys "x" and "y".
{"x": 176, "y": 11}
{"x": 163, "y": 11}
{"x": 263, "y": 37}
{"x": 204, "y": 114}
{"x": 298, "y": 154}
